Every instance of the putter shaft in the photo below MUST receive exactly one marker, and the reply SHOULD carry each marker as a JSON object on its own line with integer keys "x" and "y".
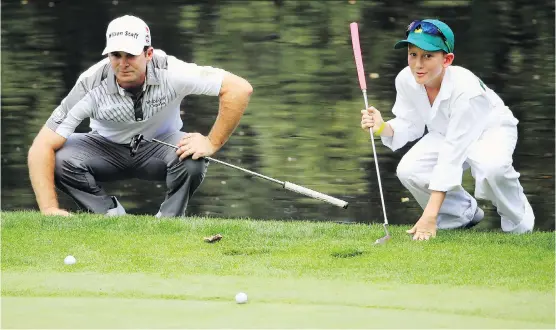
{"x": 227, "y": 164}
{"x": 376, "y": 166}
{"x": 285, "y": 184}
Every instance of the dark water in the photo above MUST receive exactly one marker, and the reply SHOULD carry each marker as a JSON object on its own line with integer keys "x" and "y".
{"x": 302, "y": 124}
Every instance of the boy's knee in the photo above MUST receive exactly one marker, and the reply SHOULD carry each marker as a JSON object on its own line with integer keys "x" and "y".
{"x": 495, "y": 171}
{"x": 409, "y": 172}
{"x": 404, "y": 170}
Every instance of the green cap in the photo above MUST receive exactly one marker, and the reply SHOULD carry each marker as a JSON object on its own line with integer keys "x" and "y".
{"x": 430, "y": 42}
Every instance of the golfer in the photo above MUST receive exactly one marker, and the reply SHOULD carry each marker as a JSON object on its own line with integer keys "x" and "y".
{"x": 134, "y": 90}
{"x": 468, "y": 127}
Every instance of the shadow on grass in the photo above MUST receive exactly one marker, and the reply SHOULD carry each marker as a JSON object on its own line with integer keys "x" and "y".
{"x": 348, "y": 253}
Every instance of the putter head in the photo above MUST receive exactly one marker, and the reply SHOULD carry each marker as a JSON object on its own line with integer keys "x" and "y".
{"x": 383, "y": 240}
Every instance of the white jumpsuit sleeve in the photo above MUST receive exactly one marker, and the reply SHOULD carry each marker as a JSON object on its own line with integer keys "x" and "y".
{"x": 467, "y": 123}
{"x": 407, "y": 124}
{"x": 190, "y": 78}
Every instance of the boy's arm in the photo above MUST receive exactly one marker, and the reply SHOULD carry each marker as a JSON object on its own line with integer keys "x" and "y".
{"x": 425, "y": 228}
{"x": 407, "y": 125}
{"x": 467, "y": 123}
{"x": 464, "y": 128}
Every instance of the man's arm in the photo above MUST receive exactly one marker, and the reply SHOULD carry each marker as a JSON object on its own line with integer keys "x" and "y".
{"x": 234, "y": 98}
{"x": 41, "y": 163}
{"x": 407, "y": 125}
{"x": 75, "y": 107}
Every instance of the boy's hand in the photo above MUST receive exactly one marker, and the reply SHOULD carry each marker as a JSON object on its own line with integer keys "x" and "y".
{"x": 424, "y": 229}
{"x": 371, "y": 118}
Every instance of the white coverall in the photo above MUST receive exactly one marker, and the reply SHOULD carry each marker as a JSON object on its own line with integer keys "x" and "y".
{"x": 469, "y": 126}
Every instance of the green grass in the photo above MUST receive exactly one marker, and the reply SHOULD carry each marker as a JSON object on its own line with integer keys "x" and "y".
{"x": 141, "y": 272}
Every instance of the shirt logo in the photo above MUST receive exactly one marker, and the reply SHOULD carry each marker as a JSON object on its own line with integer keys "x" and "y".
{"x": 155, "y": 103}
{"x": 58, "y": 116}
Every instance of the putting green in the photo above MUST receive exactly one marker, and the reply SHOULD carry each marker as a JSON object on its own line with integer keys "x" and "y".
{"x": 117, "y": 300}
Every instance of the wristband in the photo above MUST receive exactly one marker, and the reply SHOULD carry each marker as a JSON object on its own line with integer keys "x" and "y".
{"x": 381, "y": 128}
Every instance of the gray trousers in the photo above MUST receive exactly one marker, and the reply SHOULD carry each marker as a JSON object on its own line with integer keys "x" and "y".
{"x": 88, "y": 158}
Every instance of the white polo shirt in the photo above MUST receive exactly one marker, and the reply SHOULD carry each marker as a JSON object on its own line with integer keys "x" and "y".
{"x": 462, "y": 111}
{"x": 97, "y": 96}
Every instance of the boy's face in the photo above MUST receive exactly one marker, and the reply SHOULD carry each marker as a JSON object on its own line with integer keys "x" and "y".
{"x": 427, "y": 67}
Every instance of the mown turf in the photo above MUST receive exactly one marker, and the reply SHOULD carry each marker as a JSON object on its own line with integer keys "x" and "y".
{"x": 297, "y": 274}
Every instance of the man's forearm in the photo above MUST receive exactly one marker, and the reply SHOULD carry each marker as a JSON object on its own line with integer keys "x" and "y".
{"x": 41, "y": 172}
{"x": 435, "y": 202}
{"x": 232, "y": 106}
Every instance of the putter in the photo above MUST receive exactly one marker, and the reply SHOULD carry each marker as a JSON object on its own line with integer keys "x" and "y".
{"x": 363, "y": 83}
{"x": 134, "y": 145}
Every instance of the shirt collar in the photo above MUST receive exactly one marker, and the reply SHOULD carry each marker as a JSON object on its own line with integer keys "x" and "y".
{"x": 151, "y": 79}
{"x": 447, "y": 84}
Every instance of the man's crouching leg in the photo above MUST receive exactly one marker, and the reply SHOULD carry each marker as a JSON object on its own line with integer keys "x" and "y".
{"x": 81, "y": 163}
{"x": 183, "y": 178}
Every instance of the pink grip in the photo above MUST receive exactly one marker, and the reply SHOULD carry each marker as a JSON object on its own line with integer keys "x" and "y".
{"x": 357, "y": 54}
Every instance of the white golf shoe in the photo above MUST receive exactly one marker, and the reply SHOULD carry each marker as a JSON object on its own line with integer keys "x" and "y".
{"x": 116, "y": 211}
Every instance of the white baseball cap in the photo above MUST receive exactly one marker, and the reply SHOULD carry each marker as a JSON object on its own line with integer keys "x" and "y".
{"x": 128, "y": 34}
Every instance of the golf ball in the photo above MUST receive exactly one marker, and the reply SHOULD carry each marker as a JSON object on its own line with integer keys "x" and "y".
{"x": 70, "y": 260}
{"x": 241, "y": 298}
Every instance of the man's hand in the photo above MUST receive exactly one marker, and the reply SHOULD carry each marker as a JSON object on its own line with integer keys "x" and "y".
{"x": 56, "y": 211}
{"x": 195, "y": 145}
{"x": 424, "y": 229}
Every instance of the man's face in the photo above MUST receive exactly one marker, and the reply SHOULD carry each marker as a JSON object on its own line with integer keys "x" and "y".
{"x": 130, "y": 69}
{"x": 427, "y": 66}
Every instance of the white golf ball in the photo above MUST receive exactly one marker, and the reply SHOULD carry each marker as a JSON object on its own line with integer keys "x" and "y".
{"x": 70, "y": 260}
{"x": 241, "y": 298}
